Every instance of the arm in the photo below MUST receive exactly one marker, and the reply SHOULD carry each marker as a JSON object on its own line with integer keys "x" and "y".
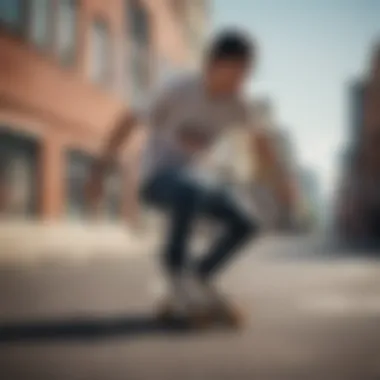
{"x": 265, "y": 152}
{"x": 120, "y": 133}
{"x": 153, "y": 113}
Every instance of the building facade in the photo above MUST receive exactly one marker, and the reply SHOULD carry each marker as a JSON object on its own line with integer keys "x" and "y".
{"x": 196, "y": 17}
{"x": 358, "y": 200}
{"x": 68, "y": 68}
{"x": 310, "y": 210}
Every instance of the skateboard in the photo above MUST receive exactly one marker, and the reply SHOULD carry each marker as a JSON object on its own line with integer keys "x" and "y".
{"x": 227, "y": 316}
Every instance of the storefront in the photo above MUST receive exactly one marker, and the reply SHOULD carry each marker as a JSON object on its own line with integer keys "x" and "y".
{"x": 18, "y": 174}
{"x": 79, "y": 167}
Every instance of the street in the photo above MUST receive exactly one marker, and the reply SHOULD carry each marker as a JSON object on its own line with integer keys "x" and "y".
{"x": 313, "y": 314}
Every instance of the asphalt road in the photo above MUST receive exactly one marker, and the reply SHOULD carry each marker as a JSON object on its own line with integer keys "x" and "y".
{"x": 312, "y": 315}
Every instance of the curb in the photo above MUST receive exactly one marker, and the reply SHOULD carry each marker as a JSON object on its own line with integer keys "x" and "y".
{"x": 30, "y": 243}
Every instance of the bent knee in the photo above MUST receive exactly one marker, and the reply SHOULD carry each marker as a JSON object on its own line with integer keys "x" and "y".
{"x": 247, "y": 225}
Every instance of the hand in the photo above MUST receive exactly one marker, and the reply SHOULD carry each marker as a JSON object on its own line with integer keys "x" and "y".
{"x": 94, "y": 189}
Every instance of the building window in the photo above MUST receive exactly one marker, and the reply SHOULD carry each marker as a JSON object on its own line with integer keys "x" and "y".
{"x": 139, "y": 25}
{"x": 78, "y": 171}
{"x": 40, "y": 22}
{"x": 12, "y": 13}
{"x": 66, "y": 30}
{"x": 113, "y": 195}
{"x": 100, "y": 63}
{"x": 18, "y": 173}
{"x": 140, "y": 54}
{"x": 141, "y": 74}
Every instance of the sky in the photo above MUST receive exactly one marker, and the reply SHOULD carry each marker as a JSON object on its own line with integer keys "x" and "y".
{"x": 309, "y": 53}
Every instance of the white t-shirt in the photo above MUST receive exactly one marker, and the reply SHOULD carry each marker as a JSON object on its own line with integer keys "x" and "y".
{"x": 184, "y": 102}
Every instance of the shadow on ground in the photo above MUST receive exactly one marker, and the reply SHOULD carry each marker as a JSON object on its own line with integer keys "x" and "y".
{"x": 344, "y": 248}
{"x": 91, "y": 329}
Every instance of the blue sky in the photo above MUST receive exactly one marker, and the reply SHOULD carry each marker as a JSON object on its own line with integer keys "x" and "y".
{"x": 309, "y": 52}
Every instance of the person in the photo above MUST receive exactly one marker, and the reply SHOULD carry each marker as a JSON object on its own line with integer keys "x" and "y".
{"x": 185, "y": 119}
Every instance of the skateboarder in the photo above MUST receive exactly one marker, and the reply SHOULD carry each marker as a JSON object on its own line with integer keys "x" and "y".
{"x": 185, "y": 119}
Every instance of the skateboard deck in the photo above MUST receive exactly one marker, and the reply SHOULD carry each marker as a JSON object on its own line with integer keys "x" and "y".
{"x": 230, "y": 317}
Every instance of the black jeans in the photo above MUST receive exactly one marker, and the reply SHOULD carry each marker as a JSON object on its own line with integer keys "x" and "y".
{"x": 185, "y": 198}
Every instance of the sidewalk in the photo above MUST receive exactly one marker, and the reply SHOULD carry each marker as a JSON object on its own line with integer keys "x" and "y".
{"x": 32, "y": 242}
{"x": 28, "y": 242}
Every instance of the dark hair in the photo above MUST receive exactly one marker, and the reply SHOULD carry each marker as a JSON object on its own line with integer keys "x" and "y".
{"x": 232, "y": 45}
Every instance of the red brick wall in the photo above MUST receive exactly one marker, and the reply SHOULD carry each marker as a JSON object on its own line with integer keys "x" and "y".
{"x": 60, "y": 104}
{"x": 371, "y": 108}
{"x": 35, "y": 83}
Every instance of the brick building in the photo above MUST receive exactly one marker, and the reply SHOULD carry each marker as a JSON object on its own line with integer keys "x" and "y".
{"x": 67, "y": 70}
{"x": 359, "y": 197}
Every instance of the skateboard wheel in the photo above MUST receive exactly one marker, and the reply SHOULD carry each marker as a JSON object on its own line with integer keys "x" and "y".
{"x": 231, "y": 316}
{"x": 201, "y": 320}
{"x": 165, "y": 311}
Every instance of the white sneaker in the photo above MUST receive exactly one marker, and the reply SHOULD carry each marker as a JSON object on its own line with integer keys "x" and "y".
{"x": 212, "y": 298}
{"x": 177, "y": 296}
{"x": 219, "y": 307}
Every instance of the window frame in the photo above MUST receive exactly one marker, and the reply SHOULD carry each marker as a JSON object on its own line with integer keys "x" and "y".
{"x": 20, "y": 147}
{"x": 75, "y": 41}
{"x": 107, "y": 77}
{"x": 51, "y": 29}
{"x": 139, "y": 50}
{"x": 22, "y": 31}
{"x": 21, "y": 28}
{"x": 76, "y": 160}
{"x": 78, "y": 166}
